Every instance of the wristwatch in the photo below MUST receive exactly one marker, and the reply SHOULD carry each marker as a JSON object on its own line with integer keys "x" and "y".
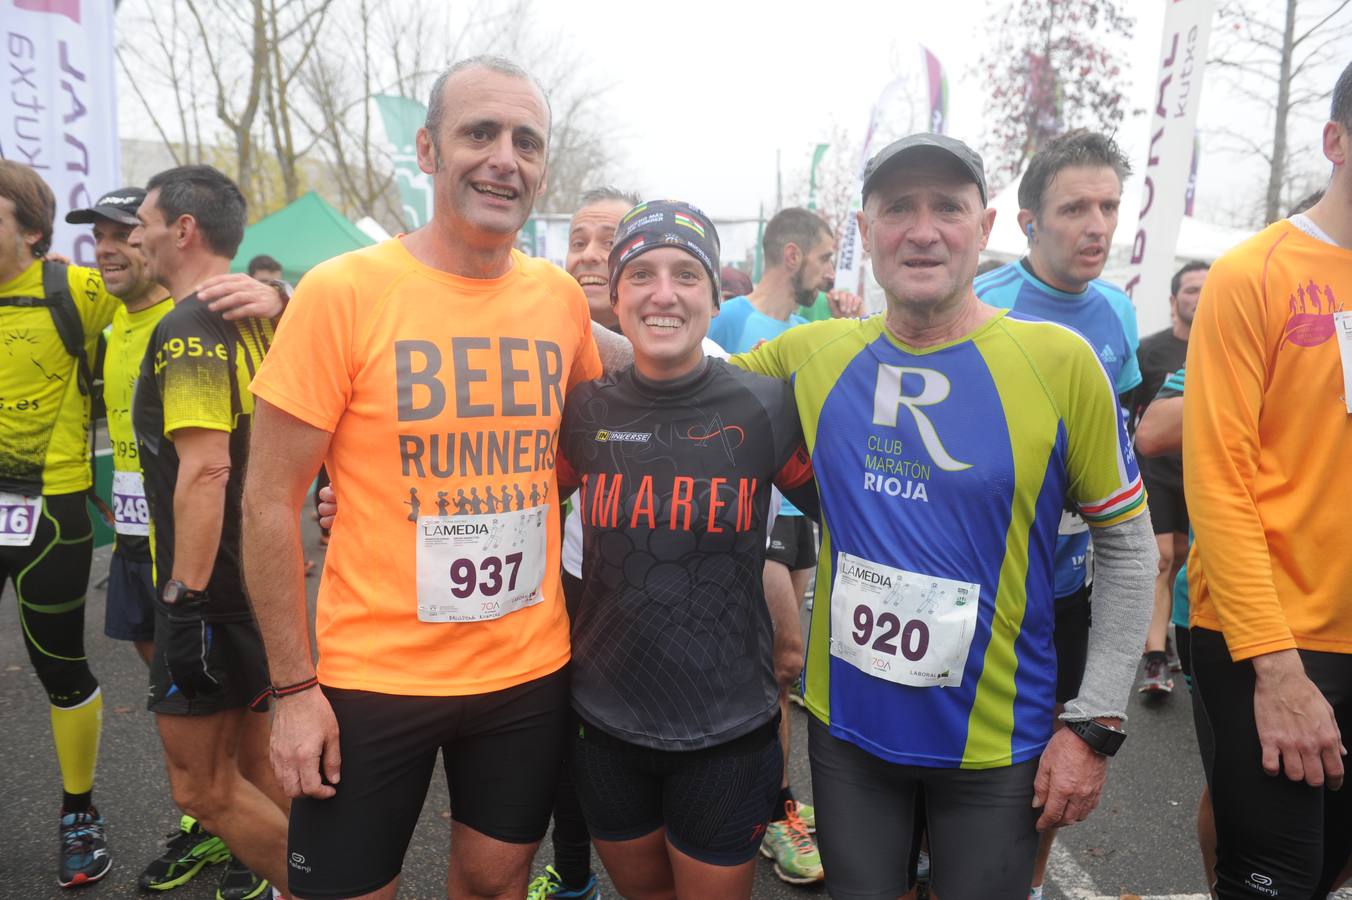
{"x": 283, "y": 289}
{"x": 1100, "y": 738}
{"x": 176, "y": 592}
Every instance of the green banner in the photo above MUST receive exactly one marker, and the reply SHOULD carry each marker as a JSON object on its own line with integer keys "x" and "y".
{"x": 403, "y": 117}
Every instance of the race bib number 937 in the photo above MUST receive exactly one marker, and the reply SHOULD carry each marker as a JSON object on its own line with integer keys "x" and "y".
{"x": 479, "y": 567}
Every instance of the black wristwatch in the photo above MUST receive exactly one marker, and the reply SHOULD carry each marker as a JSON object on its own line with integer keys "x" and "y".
{"x": 1100, "y": 738}
{"x": 176, "y": 592}
{"x": 283, "y": 289}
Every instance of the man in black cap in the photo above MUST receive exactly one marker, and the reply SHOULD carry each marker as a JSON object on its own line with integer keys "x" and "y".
{"x": 946, "y": 437}
{"x": 130, "y": 603}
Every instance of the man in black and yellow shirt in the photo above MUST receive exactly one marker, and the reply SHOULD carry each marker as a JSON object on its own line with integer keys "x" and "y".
{"x": 131, "y": 582}
{"x": 46, "y": 539}
{"x": 191, "y": 412}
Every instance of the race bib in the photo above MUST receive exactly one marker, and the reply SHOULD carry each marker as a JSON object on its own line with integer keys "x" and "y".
{"x": 1342, "y": 324}
{"x": 1071, "y": 523}
{"x": 902, "y": 626}
{"x": 476, "y": 568}
{"x": 131, "y": 514}
{"x": 19, "y": 517}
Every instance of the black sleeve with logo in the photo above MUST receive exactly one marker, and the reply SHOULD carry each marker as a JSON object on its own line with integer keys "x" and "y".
{"x": 196, "y": 375}
{"x": 672, "y": 640}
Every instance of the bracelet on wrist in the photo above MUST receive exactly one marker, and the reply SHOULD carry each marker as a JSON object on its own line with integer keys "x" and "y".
{"x": 286, "y": 690}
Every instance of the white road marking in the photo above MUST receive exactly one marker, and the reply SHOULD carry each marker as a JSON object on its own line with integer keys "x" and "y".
{"x": 1074, "y": 882}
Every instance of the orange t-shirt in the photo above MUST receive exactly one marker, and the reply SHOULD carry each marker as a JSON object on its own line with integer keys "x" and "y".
{"x": 1267, "y": 447}
{"x": 444, "y": 396}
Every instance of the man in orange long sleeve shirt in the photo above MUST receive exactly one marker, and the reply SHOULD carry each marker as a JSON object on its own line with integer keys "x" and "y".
{"x": 1268, "y": 455}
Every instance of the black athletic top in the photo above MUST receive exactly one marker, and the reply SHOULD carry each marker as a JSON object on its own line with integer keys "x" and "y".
{"x": 1159, "y": 356}
{"x": 196, "y": 374}
{"x": 672, "y": 642}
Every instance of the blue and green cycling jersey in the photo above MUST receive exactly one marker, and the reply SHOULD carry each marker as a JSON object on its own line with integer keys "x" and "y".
{"x": 953, "y": 462}
{"x": 1103, "y": 314}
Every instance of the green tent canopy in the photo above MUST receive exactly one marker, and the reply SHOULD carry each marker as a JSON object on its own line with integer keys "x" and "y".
{"x": 300, "y": 237}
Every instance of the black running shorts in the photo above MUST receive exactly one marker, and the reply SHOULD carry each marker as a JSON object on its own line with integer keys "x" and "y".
{"x": 793, "y": 542}
{"x": 980, "y": 821}
{"x": 714, "y": 803}
{"x": 1275, "y": 837}
{"x": 502, "y": 752}
{"x": 1168, "y": 508}
{"x": 237, "y": 650}
{"x": 1070, "y": 634}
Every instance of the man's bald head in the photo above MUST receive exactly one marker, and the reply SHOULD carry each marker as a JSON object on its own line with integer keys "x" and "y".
{"x": 436, "y": 104}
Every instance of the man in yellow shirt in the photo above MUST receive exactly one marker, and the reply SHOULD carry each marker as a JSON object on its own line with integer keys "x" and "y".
{"x": 1268, "y": 460}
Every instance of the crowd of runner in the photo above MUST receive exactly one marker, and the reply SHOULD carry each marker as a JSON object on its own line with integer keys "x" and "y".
{"x": 574, "y": 515}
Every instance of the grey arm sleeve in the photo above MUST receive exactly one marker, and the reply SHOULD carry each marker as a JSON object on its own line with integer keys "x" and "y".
{"x": 1125, "y": 565}
{"x": 615, "y": 350}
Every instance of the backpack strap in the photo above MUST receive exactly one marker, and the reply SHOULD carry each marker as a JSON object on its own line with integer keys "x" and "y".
{"x": 66, "y": 318}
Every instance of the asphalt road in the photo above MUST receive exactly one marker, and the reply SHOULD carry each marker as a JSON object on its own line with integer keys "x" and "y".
{"x": 1139, "y": 842}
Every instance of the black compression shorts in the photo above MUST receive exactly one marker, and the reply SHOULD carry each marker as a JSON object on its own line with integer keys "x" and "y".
{"x": 502, "y": 752}
{"x": 714, "y": 803}
{"x": 793, "y": 542}
{"x": 980, "y": 822}
{"x": 1074, "y": 616}
{"x": 1293, "y": 837}
{"x": 50, "y": 577}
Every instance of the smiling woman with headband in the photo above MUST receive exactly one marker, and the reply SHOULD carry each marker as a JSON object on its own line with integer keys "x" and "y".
{"x": 676, "y": 757}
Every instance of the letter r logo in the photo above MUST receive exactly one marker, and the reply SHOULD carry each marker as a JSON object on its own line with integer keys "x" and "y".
{"x": 888, "y": 398}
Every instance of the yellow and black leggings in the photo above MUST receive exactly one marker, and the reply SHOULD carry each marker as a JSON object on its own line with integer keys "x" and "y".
{"x": 50, "y": 578}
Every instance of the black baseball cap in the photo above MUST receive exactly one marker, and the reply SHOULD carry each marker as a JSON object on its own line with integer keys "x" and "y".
{"x": 890, "y": 156}
{"x": 119, "y": 206}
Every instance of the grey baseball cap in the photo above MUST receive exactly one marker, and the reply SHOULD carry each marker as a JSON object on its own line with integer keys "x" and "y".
{"x": 119, "y": 206}
{"x": 891, "y": 155}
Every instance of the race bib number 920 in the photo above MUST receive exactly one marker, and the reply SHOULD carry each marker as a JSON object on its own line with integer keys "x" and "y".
{"x": 902, "y": 626}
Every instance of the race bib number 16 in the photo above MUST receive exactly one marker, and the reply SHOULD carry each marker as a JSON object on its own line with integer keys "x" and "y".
{"x": 475, "y": 568}
{"x": 902, "y": 626}
{"x": 19, "y": 517}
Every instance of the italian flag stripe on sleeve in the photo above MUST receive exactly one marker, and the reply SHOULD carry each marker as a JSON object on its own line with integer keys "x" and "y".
{"x": 1117, "y": 508}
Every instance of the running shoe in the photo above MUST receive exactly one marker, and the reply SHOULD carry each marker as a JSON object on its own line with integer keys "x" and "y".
{"x": 239, "y": 883}
{"x": 1156, "y": 679}
{"x": 186, "y": 851}
{"x": 549, "y": 886}
{"x": 808, "y": 814}
{"x": 788, "y": 843}
{"x": 84, "y": 850}
{"x": 796, "y": 694}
